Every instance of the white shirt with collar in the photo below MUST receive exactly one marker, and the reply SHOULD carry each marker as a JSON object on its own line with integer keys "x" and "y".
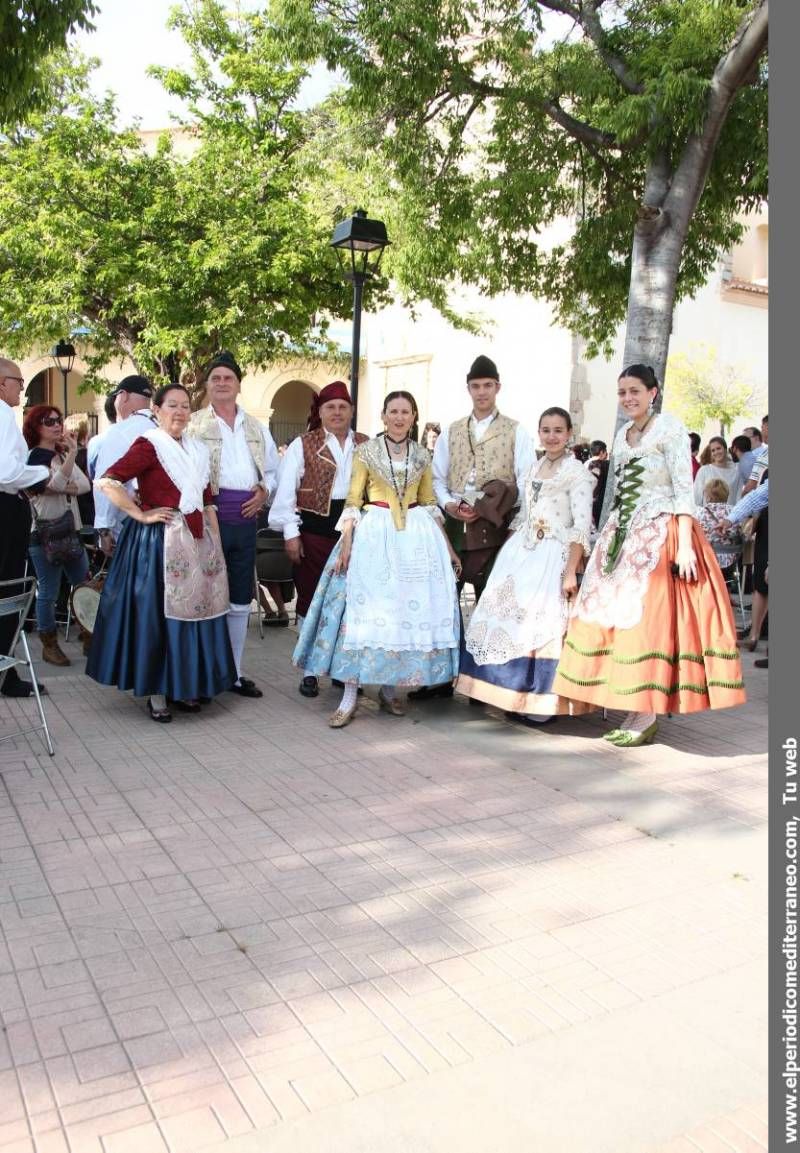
{"x": 237, "y": 469}
{"x": 284, "y": 515}
{"x": 114, "y": 444}
{"x": 15, "y": 473}
{"x": 524, "y": 457}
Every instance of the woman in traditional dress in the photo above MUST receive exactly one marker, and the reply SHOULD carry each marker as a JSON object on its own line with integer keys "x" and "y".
{"x": 719, "y": 466}
{"x": 161, "y": 626}
{"x": 513, "y": 642}
{"x": 385, "y": 611}
{"x": 652, "y": 629}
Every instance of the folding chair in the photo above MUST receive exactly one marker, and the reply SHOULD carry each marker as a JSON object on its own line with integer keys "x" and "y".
{"x": 732, "y": 573}
{"x": 96, "y": 555}
{"x": 272, "y": 566}
{"x": 18, "y": 604}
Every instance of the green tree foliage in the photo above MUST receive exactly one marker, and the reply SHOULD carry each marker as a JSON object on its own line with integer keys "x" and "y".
{"x": 645, "y": 121}
{"x": 211, "y": 240}
{"x": 700, "y": 388}
{"x": 29, "y": 30}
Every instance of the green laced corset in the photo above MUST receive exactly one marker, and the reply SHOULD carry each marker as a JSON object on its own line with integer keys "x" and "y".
{"x": 629, "y": 486}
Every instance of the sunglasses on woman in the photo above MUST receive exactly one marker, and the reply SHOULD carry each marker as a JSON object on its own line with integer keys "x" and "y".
{"x": 51, "y": 421}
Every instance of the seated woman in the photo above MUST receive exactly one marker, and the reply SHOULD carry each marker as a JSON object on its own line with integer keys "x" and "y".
{"x": 161, "y": 626}
{"x": 513, "y": 643}
{"x": 43, "y": 429}
{"x": 385, "y": 611}
{"x": 712, "y": 518}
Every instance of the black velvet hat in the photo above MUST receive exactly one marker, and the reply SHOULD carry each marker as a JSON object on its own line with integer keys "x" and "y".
{"x": 224, "y": 359}
{"x": 483, "y": 368}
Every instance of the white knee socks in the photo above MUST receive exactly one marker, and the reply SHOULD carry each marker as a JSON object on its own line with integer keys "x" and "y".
{"x": 238, "y": 617}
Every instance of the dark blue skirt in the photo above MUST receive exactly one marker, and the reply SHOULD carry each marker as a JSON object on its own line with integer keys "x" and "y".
{"x": 135, "y": 647}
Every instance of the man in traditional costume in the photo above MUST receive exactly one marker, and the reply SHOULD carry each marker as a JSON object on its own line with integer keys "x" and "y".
{"x": 244, "y": 465}
{"x": 474, "y": 451}
{"x": 313, "y": 484}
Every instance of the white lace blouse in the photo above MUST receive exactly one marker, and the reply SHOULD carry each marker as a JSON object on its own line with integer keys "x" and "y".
{"x": 558, "y": 508}
{"x": 666, "y": 482}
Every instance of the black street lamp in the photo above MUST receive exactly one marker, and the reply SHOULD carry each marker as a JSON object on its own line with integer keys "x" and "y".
{"x": 359, "y": 244}
{"x": 63, "y": 355}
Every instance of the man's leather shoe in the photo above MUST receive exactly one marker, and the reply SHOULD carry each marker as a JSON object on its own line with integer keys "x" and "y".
{"x": 16, "y": 687}
{"x": 309, "y": 687}
{"x": 431, "y": 692}
{"x": 246, "y": 688}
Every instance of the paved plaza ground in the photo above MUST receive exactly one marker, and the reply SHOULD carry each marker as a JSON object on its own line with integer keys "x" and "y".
{"x": 444, "y": 933}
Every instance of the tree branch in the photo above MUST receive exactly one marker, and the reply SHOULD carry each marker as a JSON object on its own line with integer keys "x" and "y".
{"x": 578, "y": 129}
{"x": 730, "y": 74}
{"x": 585, "y": 15}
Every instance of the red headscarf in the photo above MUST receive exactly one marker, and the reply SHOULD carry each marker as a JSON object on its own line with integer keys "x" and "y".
{"x": 337, "y": 390}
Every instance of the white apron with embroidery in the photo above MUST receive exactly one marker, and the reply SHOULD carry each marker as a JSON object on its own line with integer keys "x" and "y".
{"x": 195, "y": 576}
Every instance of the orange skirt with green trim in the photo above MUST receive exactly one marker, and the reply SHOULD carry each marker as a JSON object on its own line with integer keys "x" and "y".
{"x": 681, "y": 657}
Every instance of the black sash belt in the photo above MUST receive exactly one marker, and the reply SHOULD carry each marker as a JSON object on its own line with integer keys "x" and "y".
{"x": 322, "y": 525}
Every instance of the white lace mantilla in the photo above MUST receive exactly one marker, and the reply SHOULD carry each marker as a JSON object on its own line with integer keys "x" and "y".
{"x": 375, "y": 457}
{"x": 615, "y": 599}
{"x": 559, "y": 507}
{"x": 666, "y": 483}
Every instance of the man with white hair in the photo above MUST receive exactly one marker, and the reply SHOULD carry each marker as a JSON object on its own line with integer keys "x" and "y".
{"x": 16, "y": 478}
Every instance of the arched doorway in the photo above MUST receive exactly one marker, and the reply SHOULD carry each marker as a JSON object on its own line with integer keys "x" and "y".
{"x": 290, "y": 407}
{"x": 47, "y": 387}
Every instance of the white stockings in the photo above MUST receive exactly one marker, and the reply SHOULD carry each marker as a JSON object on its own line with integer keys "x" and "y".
{"x": 238, "y": 618}
{"x": 349, "y": 697}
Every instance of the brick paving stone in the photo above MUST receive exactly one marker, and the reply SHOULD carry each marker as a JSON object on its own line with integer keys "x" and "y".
{"x": 218, "y": 929}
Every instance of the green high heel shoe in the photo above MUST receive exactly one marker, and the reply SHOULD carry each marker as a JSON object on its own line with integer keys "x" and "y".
{"x": 631, "y": 740}
{"x": 612, "y": 734}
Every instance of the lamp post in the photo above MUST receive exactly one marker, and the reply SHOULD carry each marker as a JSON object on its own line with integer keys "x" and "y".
{"x": 63, "y": 356}
{"x": 359, "y": 244}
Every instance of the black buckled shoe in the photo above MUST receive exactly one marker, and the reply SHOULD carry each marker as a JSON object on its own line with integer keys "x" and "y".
{"x": 247, "y": 688}
{"x": 432, "y": 692}
{"x": 308, "y": 687}
{"x": 160, "y": 716}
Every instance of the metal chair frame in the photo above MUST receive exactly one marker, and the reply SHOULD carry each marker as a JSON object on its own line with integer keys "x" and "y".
{"x": 732, "y": 574}
{"x": 259, "y": 583}
{"x": 19, "y": 604}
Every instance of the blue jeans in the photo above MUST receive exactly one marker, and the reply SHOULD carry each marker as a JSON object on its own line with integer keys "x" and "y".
{"x": 48, "y": 577}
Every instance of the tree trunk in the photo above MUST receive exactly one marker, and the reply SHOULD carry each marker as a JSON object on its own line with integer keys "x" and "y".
{"x": 655, "y": 261}
{"x": 671, "y": 195}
